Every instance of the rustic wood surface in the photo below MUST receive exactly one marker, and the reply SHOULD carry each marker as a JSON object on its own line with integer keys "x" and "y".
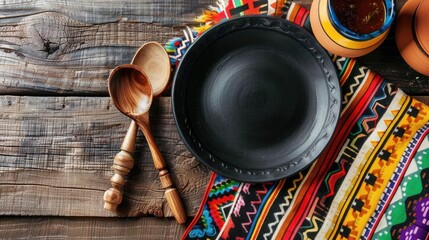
{"x": 60, "y": 130}
{"x": 83, "y": 228}
{"x": 57, "y": 155}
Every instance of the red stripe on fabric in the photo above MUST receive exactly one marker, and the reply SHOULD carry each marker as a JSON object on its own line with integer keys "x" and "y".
{"x": 413, "y": 153}
{"x": 330, "y": 155}
{"x": 334, "y": 178}
{"x": 200, "y": 209}
{"x": 304, "y": 18}
{"x": 300, "y": 15}
{"x": 347, "y": 72}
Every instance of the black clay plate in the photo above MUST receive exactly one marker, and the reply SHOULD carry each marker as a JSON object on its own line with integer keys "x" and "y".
{"x": 256, "y": 98}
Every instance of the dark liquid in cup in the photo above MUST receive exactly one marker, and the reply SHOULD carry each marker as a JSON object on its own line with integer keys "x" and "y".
{"x": 360, "y": 16}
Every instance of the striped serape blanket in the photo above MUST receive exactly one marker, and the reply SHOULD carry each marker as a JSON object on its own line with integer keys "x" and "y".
{"x": 371, "y": 181}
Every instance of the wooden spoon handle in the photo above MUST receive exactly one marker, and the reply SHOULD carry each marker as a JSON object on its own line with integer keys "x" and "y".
{"x": 171, "y": 193}
{"x": 158, "y": 160}
{"x": 122, "y": 165}
{"x": 176, "y": 205}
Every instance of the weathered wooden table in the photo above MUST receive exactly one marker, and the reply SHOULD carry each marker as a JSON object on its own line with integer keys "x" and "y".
{"x": 59, "y": 130}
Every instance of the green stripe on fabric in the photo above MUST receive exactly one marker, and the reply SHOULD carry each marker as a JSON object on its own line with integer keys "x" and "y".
{"x": 411, "y": 185}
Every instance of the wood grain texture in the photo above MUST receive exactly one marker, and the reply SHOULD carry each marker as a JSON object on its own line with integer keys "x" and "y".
{"x": 56, "y": 154}
{"x": 148, "y": 228}
{"x": 50, "y": 53}
{"x": 68, "y": 47}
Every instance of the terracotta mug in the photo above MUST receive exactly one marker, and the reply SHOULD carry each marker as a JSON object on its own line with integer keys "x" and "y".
{"x": 412, "y": 34}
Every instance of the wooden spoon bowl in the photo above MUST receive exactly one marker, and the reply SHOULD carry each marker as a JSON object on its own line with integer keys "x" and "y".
{"x": 154, "y": 62}
{"x": 130, "y": 90}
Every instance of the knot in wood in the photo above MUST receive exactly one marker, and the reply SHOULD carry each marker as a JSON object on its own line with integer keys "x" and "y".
{"x": 47, "y": 34}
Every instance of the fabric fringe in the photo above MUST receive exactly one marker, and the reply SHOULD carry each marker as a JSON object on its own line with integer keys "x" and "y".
{"x": 209, "y": 17}
{"x": 206, "y": 20}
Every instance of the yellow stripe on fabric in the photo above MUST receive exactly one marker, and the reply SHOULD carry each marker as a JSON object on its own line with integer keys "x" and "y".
{"x": 396, "y": 146}
{"x": 266, "y": 209}
{"x": 293, "y": 204}
{"x": 362, "y": 169}
{"x": 363, "y": 154}
{"x": 349, "y": 212}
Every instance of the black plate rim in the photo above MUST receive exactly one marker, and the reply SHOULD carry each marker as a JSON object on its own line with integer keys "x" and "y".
{"x": 262, "y": 175}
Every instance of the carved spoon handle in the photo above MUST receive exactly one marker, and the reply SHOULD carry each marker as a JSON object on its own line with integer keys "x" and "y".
{"x": 171, "y": 193}
{"x": 122, "y": 165}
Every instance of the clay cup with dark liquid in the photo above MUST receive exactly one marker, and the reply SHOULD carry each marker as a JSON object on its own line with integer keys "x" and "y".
{"x": 351, "y": 28}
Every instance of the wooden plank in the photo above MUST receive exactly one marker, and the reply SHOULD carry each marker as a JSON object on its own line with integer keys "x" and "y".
{"x": 68, "y": 48}
{"x": 56, "y": 153}
{"x": 51, "y": 54}
{"x": 89, "y": 228}
{"x": 169, "y": 12}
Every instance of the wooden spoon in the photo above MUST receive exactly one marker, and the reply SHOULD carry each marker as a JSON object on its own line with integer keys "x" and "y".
{"x": 131, "y": 92}
{"x": 154, "y": 61}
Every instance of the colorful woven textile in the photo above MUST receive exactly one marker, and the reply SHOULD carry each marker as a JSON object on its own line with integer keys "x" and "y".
{"x": 371, "y": 182}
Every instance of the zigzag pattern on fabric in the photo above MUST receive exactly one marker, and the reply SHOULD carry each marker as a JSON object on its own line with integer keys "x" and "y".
{"x": 412, "y": 214}
{"x": 364, "y": 124}
{"x": 312, "y": 229}
{"x": 223, "y": 186}
{"x": 394, "y": 181}
{"x": 415, "y": 185}
{"x": 365, "y": 150}
{"x": 353, "y": 86}
{"x": 382, "y": 163}
{"x": 280, "y": 205}
{"x": 222, "y": 193}
{"x": 177, "y": 47}
{"x": 249, "y": 201}
{"x": 340, "y": 167}
{"x": 348, "y": 119}
{"x": 264, "y": 209}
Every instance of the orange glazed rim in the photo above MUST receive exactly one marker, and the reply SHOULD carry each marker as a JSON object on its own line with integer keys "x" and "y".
{"x": 337, "y": 37}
